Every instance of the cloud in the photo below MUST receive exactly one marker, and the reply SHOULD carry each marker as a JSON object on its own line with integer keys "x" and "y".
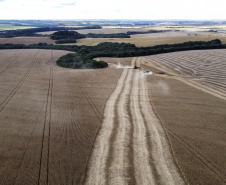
{"x": 68, "y": 4}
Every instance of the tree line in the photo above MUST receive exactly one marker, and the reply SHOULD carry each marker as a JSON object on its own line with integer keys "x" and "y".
{"x": 33, "y": 31}
{"x": 108, "y": 49}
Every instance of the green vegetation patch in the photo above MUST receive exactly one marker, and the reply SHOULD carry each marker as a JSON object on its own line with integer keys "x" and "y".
{"x": 66, "y": 35}
{"x": 75, "y": 61}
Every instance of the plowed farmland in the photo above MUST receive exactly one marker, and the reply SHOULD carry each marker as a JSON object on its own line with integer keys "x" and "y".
{"x": 49, "y": 117}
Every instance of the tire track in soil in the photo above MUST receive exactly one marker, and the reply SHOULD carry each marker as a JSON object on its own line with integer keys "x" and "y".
{"x": 10, "y": 64}
{"x": 205, "y": 161}
{"x": 98, "y": 74}
{"x": 14, "y": 91}
{"x": 46, "y": 130}
{"x": 110, "y": 161}
{"x": 95, "y": 109}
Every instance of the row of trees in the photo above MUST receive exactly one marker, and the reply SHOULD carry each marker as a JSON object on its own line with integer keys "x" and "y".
{"x": 33, "y": 31}
{"x": 107, "y": 49}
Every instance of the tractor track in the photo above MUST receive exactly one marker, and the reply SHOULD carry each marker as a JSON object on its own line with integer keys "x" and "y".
{"x": 14, "y": 91}
{"x": 95, "y": 109}
{"x": 46, "y": 129}
{"x": 10, "y": 64}
{"x": 198, "y": 155}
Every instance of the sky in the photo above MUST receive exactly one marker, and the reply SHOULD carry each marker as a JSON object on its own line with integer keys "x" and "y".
{"x": 113, "y": 9}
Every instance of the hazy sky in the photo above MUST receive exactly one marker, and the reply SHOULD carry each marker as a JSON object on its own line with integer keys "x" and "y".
{"x": 112, "y": 9}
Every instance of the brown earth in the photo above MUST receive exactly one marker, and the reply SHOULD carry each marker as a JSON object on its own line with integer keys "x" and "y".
{"x": 26, "y": 40}
{"x": 49, "y": 117}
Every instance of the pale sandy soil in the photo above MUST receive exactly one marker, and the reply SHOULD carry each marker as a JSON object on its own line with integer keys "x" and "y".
{"x": 26, "y": 40}
{"x": 131, "y": 147}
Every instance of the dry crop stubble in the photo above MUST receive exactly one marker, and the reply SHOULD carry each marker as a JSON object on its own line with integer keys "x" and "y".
{"x": 111, "y": 161}
{"x": 192, "y": 115}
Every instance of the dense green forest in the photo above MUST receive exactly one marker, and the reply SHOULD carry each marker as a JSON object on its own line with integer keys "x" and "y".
{"x": 59, "y": 35}
{"x": 75, "y": 61}
{"x": 108, "y": 49}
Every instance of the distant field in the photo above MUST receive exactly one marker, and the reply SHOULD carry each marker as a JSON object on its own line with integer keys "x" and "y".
{"x": 102, "y": 31}
{"x": 26, "y": 40}
{"x": 10, "y": 27}
{"x": 144, "y": 40}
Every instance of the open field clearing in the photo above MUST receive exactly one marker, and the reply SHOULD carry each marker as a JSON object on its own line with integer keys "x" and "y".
{"x": 49, "y": 117}
{"x": 26, "y": 40}
{"x": 144, "y": 40}
{"x": 207, "y": 67}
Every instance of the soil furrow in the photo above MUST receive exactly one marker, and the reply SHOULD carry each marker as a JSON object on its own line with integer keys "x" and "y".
{"x": 44, "y": 158}
{"x": 10, "y": 64}
{"x": 13, "y": 92}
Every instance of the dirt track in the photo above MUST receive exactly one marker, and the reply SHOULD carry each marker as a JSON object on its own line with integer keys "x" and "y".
{"x": 131, "y": 147}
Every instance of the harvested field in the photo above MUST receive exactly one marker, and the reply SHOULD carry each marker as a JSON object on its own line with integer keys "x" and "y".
{"x": 49, "y": 117}
{"x": 26, "y": 40}
{"x": 163, "y": 128}
{"x": 207, "y": 67}
{"x": 195, "y": 123}
{"x": 131, "y": 147}
{"x": 192, "y": 115}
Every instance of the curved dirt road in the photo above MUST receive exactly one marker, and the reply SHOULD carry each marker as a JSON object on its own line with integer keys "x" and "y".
{"x": 131, "y": 147}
